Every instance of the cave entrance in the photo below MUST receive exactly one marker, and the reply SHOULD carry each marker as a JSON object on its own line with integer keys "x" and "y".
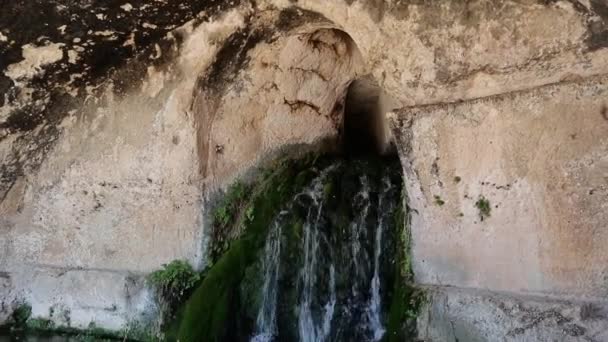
{"x": 366, "y": 128}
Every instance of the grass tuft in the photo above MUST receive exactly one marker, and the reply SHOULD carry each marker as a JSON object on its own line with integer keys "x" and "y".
{"x": 484, "y": 207}
{"x": 174, "y": 280}
{"x": 438, "y": 200}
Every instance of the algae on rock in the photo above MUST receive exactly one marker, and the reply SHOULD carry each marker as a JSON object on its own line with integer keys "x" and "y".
{"x": 207, "y": 313}
{"x": 340, "y": 271}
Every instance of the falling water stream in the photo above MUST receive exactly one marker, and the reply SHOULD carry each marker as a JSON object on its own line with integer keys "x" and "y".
{"x": 266, "y": 318}
{"x": 318, "y": 259}
{"x": 328, "y": 284}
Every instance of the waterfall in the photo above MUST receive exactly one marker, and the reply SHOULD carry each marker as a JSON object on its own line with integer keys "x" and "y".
{"x": 266, "y": 319}
{"x": 358, "y": 232}
{"x": 331, "y": 287}
{"x": 374, "y": 306}
{"x": 309, "y": 330}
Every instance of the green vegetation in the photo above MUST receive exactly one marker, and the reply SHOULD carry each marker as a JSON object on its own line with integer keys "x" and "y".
{"x": 249, "y": 214}
{"x": 174, "y": 280}
{"x": 227, "y": 209}
{"x": 40, "y": 324}
{"x": 407, "y": 299}
{"x": 439, "y": 201}
{"x": 484, "y": 207}
{"x": 22, "y": 314}
{"x": 172, "y": 285}
{"x": 206, "y": 315}
{"x": 225, "y": 214}
{"x": 24, "y": 328}
{"x": 457, "y": 179}
{"x": 224, "y": 304}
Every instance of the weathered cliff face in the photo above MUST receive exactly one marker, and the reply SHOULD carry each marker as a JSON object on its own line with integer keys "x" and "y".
{"x": 117, "y": 120}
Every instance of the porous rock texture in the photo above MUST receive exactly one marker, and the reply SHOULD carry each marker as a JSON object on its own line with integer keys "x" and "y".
{"x": 119, "y": 119}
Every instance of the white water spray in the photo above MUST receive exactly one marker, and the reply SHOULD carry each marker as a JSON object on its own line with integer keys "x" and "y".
{"x": 374, "y": 307}
{"x": 266, "y": 328}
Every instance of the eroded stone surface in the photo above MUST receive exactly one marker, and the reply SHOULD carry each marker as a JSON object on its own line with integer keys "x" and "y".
{"x": 444, "y": 51}
{"x": 464, "y": 315}
{"x": 540, "y": 159}
{"x": 291, "y": 93}
{"x": 118, "y": 194}
{"x": 117, "y": 119}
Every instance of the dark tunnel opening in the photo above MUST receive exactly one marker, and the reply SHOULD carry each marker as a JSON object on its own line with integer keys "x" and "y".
{"x": 366, "y": 128}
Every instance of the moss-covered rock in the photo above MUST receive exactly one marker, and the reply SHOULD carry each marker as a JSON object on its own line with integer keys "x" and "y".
{"x": 406, "y": 299}
{"x": 225, "y": 305}
{"x": 209, "y": 315}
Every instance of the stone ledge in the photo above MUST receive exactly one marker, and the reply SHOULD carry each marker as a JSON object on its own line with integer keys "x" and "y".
{"x": 457, "y": 314}
{"x": 76, "y": 297}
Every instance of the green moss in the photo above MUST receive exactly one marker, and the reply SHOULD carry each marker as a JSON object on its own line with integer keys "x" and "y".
{"x": 406, "y": 299}
{"x": 328, "y": 189}
{"x": 251, "y": 296}
{"x": 249, "y": 214}
{"x": 21, "y": 314}
{"x": 484, "y": 207}
{"x": 225, "y": 214}
{"x": 174, "y": 280}
{"x": 439, "y": 201}
{"x": 206, "y": 314}
{"x": 24, "y": 327}
{"x": 223, "y": 307}
{"x": 297, "y": 229}
{"x": 303, "y": 177}
{"x": 40, "y": 324}
{"x": 46, "y": 329}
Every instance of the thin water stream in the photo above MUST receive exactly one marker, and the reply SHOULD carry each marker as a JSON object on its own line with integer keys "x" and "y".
{"x": 338, "y": 288}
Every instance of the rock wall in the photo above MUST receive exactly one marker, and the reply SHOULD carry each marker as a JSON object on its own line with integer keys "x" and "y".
{"x": 121, "y": 185}
{"x": 478, "y": 315}
{"x": 539, "y": 158}
{"x": 117, "y": 194}
{"x": 118, "y": 120}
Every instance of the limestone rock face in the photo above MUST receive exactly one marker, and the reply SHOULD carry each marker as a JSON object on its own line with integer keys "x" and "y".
{"x": 119, "y": 120}
{"x": 539, "y": 158}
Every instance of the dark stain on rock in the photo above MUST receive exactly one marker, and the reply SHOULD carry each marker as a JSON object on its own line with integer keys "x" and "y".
{"x": 590, "y": 311}
{"x": 294, "y": 17}
{"x": 296, "y": 105}
{"x": 597, "y": 37}
{"x": 5, "y": 85}
{"x": 532, "y": 318}
{"x": 24, "y": 120}
{"x": 376, "y": 9}
{"x": 435, "y": 168}
{"x": 574, "y": 330}
{"x": 232, "y": 57}
{"x": 604, "y": 112}
{"x": 598, "y": 30}
{"x": 98, "y": 31}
